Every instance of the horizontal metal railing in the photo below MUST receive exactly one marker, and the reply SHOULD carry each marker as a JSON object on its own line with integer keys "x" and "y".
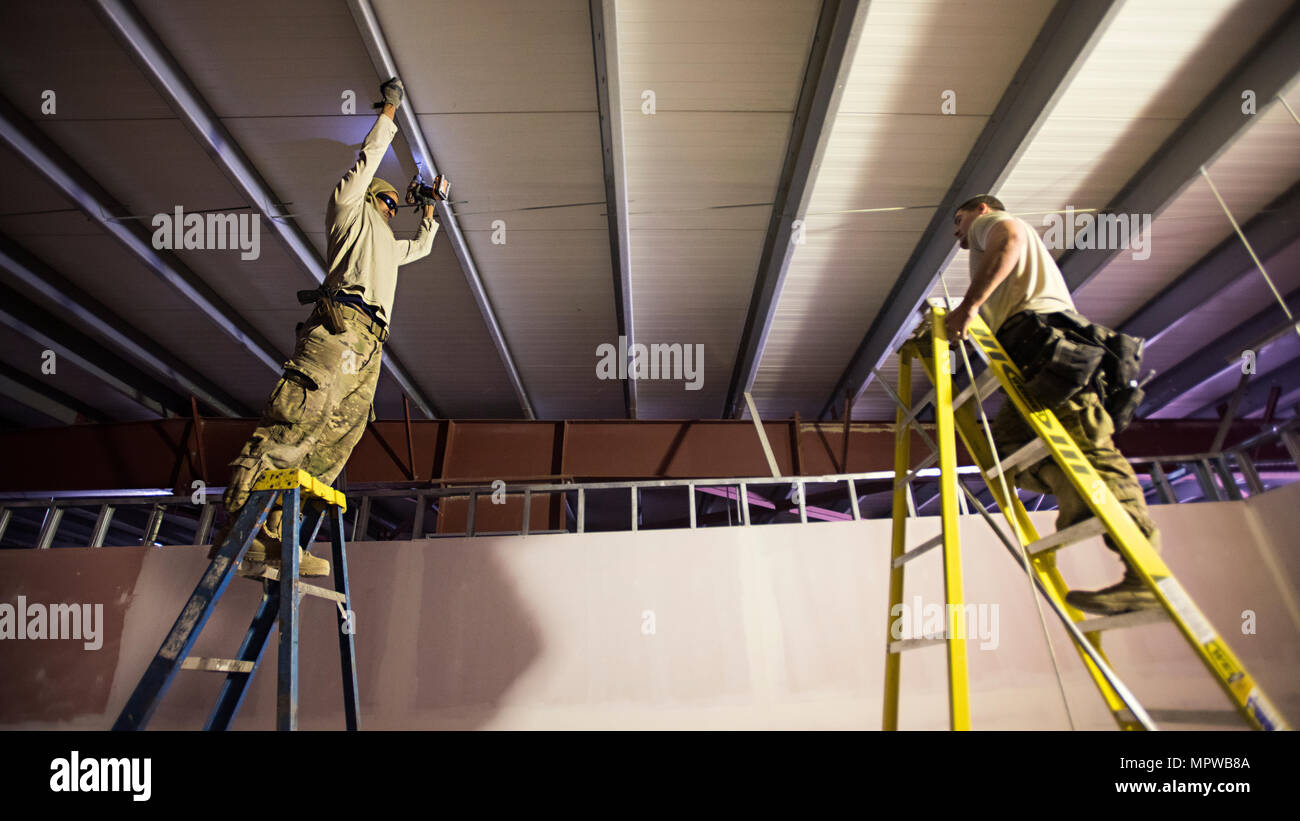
{"x": 1164, "y": 470}
{"x": 56, "y": 503}
{"x": 1208, "y": 466}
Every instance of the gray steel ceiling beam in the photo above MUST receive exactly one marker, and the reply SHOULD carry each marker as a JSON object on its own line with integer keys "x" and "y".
{"x": 89, "y": 313}
{"x": 42, "y": 327}
{"x": 1218, "y": 357}
{"x": 158, "y": 64}
{"x": 1063, "y": 44}
{"x": 1269, "y": 232}
{"x": 44, "y": 399}
{"x": 377, "y": 47}
{"x": 87, "y": 194}
{"x": 1267, "y": 69}
{"x": 604, "y": 46}
{"x": 830, "y": 59}
{"x": 1256, "y": 394}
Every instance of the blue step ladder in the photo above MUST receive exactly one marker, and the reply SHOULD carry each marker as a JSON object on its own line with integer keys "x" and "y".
{"x": 291, "y": 487}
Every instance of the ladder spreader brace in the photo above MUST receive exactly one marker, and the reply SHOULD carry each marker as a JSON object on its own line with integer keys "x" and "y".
{"x": 288, "y": 486}
{"x": 1109, "y": 517}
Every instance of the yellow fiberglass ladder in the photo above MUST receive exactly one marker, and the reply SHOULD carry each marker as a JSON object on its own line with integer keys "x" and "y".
{"x": 1037, "y": 555}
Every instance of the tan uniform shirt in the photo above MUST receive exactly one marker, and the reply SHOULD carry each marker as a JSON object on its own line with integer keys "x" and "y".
{"x": 363, "y": 254}
{"x": 1035, "y": 284}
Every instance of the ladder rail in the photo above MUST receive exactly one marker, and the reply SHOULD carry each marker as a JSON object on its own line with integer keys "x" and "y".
{"x": 945, "y": 453}
{"x": 902, "y": 456}
{"x": 977, "y": 445}
{"x": 282, "y": 593}
{"x": 157, "y": 678}
{"x": 954, "y": 592}
{"x": 1249, "y": 699}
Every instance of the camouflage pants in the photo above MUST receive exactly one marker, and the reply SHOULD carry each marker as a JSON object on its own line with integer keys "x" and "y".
{"x": 1087, "y": 422}
{"x": 317, "y": 412}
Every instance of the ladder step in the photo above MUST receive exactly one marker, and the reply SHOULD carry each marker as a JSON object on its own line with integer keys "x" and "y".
{"x": 1124, "y": 620}
{"x": 1225, "y": 718}
{"x": 904, "y": 645}
{"x": 307, "y": 589}
{"x": 928, "y": 399}
{"x": 987, "y": 382}
{"x": 1024, "y": 457}
{"x": 911, "y": 474}
{"x": 216, "y": 665}
{"x": 928, "y": 544}
{"x": 1073, "y": 534}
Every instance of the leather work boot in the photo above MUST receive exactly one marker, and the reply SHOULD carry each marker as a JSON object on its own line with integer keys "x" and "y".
{"x": 1128, "y": 595}
{"x": 308, "y": 563}
{"x": 266, "y": 549}
{"x": 263, "y": 544}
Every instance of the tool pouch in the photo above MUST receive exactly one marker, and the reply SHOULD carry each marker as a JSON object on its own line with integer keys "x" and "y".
{"x": 330, "y": 312}
{"x": 1056, "y": 362}
{"x": 1117, "y": 379}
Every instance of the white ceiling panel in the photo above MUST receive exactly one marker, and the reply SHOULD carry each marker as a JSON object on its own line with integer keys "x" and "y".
{"x": 505, "y": 94}
{"x": 890, "y": 146}
{"x": 725, "y": 78}
{"x": 509, "y": 112}
{"x": 97, "y": 264}
{"x": 28, "y": 357}
{"x": 248, "y": 59}
{"x": 1151, "y": 67}
{"x": 1257, "y": 168}
{"x": 61, "y": 46}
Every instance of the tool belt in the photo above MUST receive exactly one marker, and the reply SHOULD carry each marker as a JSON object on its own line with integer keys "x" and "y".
{"x": 330, "y": 311}
{"x": 1062, "y": 353}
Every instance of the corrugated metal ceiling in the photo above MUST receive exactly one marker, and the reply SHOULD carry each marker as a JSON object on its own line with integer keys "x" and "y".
{"x": 506, "y": 96}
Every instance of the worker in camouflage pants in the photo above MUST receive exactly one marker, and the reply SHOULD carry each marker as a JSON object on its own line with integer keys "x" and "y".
{"x": 314, "y": 418}
{"x": 1011, "y": 272}
{"x": 319, "y": 408}
{"x": 1088, "y": 424}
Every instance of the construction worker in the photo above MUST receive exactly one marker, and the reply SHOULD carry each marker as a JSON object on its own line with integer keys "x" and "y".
{"x": 1012, "y": 272}
{"x": 320, "y": 406}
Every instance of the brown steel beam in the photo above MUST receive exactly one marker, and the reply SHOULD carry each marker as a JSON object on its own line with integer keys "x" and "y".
{"x": 169, "y": 453}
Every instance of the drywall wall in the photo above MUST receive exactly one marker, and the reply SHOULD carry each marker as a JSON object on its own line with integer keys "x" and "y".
{"x": 778, "y": 626}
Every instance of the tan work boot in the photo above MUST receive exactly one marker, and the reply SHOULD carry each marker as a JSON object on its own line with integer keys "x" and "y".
{"x": 1129, "y": 595}
{"x": 308, "y": 563}
{"x": 263, "y": 542}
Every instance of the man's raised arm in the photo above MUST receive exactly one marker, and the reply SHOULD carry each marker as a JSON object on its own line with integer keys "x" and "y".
{"x": 351, "y": 190}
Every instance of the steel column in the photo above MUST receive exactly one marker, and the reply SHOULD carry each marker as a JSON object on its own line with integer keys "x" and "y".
{"x": 102, "y": 523}
{"x": 604, "y": 46}
{"x": 49, "y": 526}
{"x": 1163, "y": 487}
{"x": 1253, "y": 482}
{"x": 835, "y": 42}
